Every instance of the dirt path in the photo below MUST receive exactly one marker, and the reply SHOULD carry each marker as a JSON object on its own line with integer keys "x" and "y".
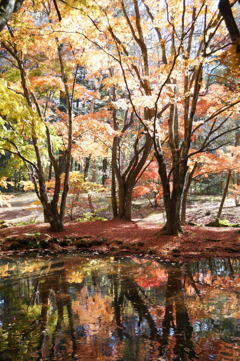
{"x": 200, "y": 212}
{"x": 22, "y": 209}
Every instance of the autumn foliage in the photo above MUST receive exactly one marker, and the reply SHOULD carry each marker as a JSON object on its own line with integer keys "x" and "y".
{"x": 112, "y": 82}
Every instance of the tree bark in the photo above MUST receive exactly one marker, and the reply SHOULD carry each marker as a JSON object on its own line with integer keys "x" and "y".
{"x": 7, "y": 7}
{"x": 173, "y": 224}
{"x": 185, "y": 194}
{"x": 226, "y": 12}
{"x": 104, "y": 170}
{"x": 94, "y": 171}
{"x": 113, "y": 184}
{"x": 86, "y": 167}
{"x": 128, "y": 179}
{"x": 224, "y": 194}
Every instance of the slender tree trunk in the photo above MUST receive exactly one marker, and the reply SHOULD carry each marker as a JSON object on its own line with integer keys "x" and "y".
{"x": 104, "y": 170}
{"x": 86, "y": 167}
{"x": 224, "y": 194}
{"x": 50, "y": 172}
{"x": 185, "y": 194}
{"x": 94, "y": 171}
{"x": 114, "y": 196}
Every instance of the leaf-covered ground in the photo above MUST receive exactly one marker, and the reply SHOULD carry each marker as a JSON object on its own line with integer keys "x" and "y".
{"x": 138, "y": 237}
{"x": 118, "y": 238}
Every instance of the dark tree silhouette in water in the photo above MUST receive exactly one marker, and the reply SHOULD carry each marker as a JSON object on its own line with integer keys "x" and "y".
{"x": 176, "y": 316}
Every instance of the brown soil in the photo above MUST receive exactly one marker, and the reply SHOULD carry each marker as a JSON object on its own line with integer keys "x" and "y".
{"x": 118, "y": 238}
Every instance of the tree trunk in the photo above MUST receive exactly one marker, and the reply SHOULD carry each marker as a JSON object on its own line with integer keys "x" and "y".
{"x": 173, "y": 224}
{"x": 113, "y": 196}
{"x": 52, "y": 216}
{"x": 56, "y": 224}
{"x": 128, "y": 204}
{"x": 104, "y": 170}
{"x": 94, "y": 171}
{"x": 224, "y": 194}
{"x": 172, "y": 198}
{"x": 185, "y": 194}
{"x": 86, "y": 167}
{"x": 125, "y": 201}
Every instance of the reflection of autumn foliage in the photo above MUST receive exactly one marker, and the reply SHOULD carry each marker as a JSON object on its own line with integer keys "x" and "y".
{"x": 218, "y": 350}
{"x": 94, "y": 312}
{"x": 151, "y": 276}
{"x": 97, "y": 309}
{"x": 215, "y": 298}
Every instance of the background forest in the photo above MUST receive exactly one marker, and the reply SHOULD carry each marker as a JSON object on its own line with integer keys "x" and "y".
{"x": 123, "y": 99}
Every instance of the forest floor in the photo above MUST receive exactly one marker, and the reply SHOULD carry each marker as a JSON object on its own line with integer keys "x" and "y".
{"x": 141, "y": 236}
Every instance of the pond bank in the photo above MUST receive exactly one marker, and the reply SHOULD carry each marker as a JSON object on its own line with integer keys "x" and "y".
{"x": 120, "y": 237}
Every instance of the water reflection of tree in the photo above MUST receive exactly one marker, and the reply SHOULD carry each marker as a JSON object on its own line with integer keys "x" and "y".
{"x": 47, "y": 336}
{"x": 54, "y": 296}
{"x": 168, "y": 333}
{"x": 176, "y": 319}
{"x": 176, "y": 305}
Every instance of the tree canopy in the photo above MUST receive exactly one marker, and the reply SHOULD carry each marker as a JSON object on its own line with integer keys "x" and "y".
{"x": 123, "y": 81}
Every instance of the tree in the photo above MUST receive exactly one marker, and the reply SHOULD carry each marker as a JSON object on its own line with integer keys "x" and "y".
{"x": 28, "y": 129}
{"x": 59, "y": 115}
{"x": 163, "y": 61}
{"x": 157, "y": 95}
{"x": 129, "y": 156}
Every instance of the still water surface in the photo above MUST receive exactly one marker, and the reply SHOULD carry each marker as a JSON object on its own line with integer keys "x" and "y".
{"x": 116, "y": 309}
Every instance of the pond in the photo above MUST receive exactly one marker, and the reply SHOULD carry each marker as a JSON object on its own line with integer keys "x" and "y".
{"x": 125, "y": 309}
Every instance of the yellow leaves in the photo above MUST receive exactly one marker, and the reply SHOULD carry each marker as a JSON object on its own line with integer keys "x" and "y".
{"x": 27, "y": 185}
{"x": 75, "y": 277}
{"x": 114, "y": 81}
{"x": 5, "y": 270}
{"x": 13, "y": 105}
{"x": 3, "y": 182}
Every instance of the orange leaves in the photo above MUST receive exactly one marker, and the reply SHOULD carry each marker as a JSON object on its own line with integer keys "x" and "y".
{"x": 231, "y": 59}
{"x": 151, "y": 173}
{"x": 48, "y": 82}
{"x": 151, "y": 276}
{"x": 140, "y": 191}
{"x": 221, "y": 161}
{"x": 149, "y": 183}
{"x": 81, "y": 92}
